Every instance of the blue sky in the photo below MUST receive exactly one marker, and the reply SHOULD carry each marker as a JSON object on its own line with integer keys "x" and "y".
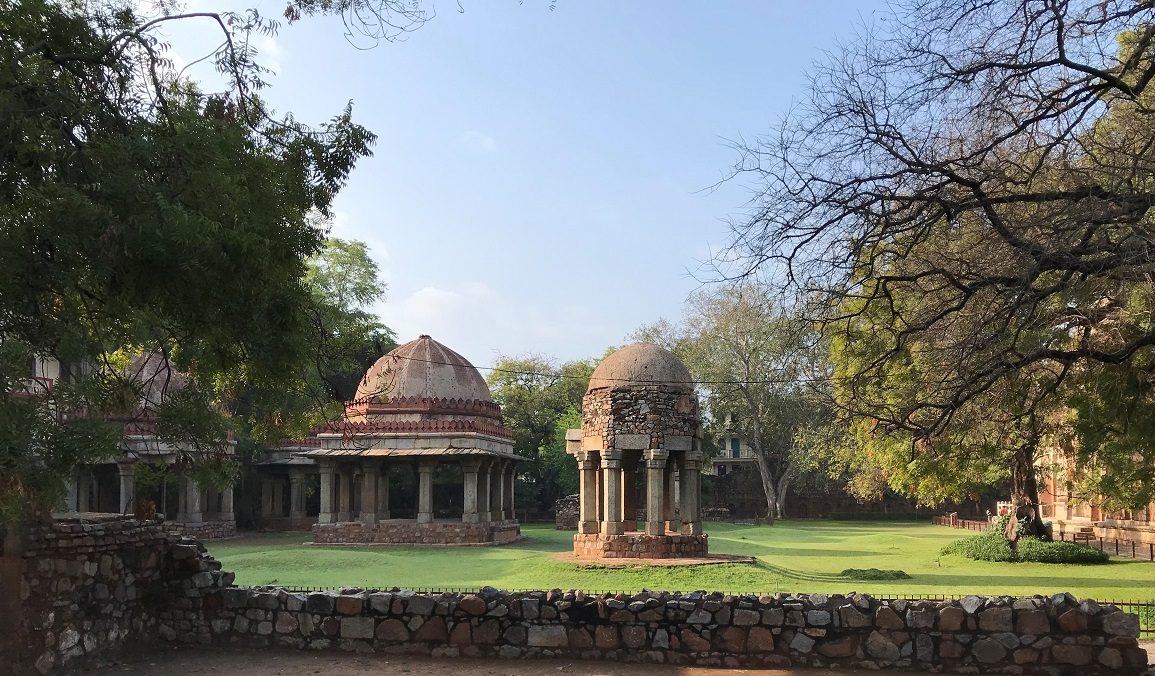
{"x": 540, "y": 182}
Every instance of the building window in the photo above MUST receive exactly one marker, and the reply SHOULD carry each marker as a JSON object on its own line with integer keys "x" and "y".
{"x": 721, "y": 470}
{"x": 735, "y": 448}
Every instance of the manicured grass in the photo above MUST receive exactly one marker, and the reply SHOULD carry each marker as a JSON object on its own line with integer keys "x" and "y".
{"x": 793, "y": 556}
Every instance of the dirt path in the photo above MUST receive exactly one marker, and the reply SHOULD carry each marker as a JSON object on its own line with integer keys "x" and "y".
{"x": 225, "y": 661}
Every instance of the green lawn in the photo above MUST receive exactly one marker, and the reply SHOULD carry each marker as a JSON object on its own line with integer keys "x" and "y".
{"x": 795, "y": 556}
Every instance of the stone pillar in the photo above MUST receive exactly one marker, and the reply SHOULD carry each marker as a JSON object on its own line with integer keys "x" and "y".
{"x": 296, "y": 495}
{"x": 670, "y": 513}
{"x": 655, "y": 491}
{"x": 266, "y": 498}
{"x": 344, "y": 496}
{"x": 227, "y": 513}
{"x": 470, "y": 470}
{"x": 691, "y": 484}
{"x": 425, "y": 491}
{"x": 70, "y": 496}
{"x": 328, "y": 488}
{"x": 383, "y": 493}
{"x": 192, "y": 510}
{"x": 370, "y": 477}
{"x": 484, "y": 507}
{"x": 82, "y": 493}
{"x": 630, "y": 490}
{"x": 511, "y": 495}
{"x": 612, "y": 479}
{"x": 588, "y": 492}
{"x": 127, "y": 487}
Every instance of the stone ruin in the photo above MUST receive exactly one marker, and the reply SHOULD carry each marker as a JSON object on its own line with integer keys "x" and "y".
{"x": 640, "y": 410}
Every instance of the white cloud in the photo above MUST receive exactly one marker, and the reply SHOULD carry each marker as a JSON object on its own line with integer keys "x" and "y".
{"x": 477, "y": 142}
{"x": 270, "y": 54}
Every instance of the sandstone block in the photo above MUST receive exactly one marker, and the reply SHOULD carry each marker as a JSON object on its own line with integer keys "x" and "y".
{"x": 693, "y": 640}
{"x": 392, "y": 630}
{"x": 843, "y": 647}
{"x": 486, "y": 632}
{"x": 606, "y": 637}
{"x": 634, "y": 636}
{"x": 461, "y": 634}
{"x": 1073, "y": 621}
{"x": 951, "y": 618}
{"x": 1034, "y": 622}
{"x": 286, "y": 623}
{"x": 1078, "y": 655}
{"x": 732, "y": 639}
{"x": 950, "y": 650}
{"x": 1121, "y": 624}
{"x": 996, "y": 619}
{"x": 759, "y": 640}
{"x": 550, "y": 636}
{"x": 745, "y": 618}
{"x": 473, "y": 605}
{"x": 886, "y": 618}
{"x": 580, "y": 638}
{"x": 988, "y": 650}
{"x": 1026, "y": 656}
{"x": 357, "y": 627}
{"x": 349, "y": 605}
{"x": 431, "y": 630}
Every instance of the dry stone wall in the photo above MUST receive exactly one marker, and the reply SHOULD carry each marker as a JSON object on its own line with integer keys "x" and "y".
{"x": 639, "y": 546}
{"x": 88, "y": 587}
{"x": 1054, "y": 636}
{"x": 407, "y": 532}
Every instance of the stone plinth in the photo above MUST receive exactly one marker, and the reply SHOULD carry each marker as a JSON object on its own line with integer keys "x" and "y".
{"x": 639, "y": 546}
{"x": 409, "y": 532}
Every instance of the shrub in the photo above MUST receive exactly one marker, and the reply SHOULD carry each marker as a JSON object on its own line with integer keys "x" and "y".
{"x": 1043, "y": 551}
{"x": 874, "y": 574}
{"x": 992, "y": 546}
{"x": 989, "y": 546}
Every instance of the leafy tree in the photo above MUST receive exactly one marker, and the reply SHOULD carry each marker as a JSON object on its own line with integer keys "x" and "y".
{"x": 535, "y": 394}
{"x": 144, "y": 216}
{"x": 755, "y": 363}
{"x": 966, "y": 197}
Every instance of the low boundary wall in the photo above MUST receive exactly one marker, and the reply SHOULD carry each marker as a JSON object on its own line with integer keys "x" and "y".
{"x": 90, "y": 588}
{"x": 1056, "y": 635}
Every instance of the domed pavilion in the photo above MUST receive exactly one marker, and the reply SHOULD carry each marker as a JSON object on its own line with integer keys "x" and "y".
{"x": 422, "y": 411}
{"x": 640, "y": 413}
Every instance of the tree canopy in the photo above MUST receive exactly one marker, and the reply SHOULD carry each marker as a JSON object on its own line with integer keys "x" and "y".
{"x": 965, "y": 201}
{"x": 141, "y": 215}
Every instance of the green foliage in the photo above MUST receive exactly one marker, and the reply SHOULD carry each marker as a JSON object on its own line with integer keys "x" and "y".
{"x": 1038, "y": 550}
{"x": 558, "y": 466}
{"x": 142, "y": 216}
{"x": 873, "y": 574}
{"x": 990, "y": 546}
{"x": 535, "y": 394}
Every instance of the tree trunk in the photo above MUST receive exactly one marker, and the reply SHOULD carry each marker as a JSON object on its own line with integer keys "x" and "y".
{"x": 783, "y": 484}
{"x": 1025, "y": 490}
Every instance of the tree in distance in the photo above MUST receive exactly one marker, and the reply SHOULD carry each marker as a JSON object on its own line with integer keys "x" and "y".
{"x": 964, "y": 200}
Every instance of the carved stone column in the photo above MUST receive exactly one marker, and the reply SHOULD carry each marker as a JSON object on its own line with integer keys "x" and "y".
{"x": 470, "y": 469}
{"x": 383, "y": 493}
{"x": 612, "y": 478}
{"x": 425, "y": 491}
{"x": 345, "y": 495}
{"x": 328, "y": 489}
{"x": 670, "y": 511}
{"x": 691, "y": 485}
{"x": 127, "y": 486}
{"x": 588, "y": 492}
{"x": 630, "y": 461}
{"x": 485, "y": 468}
{"x": 655, "y": 491}
{"x": 296, "y": 495}
{"x": 370, "y": 473}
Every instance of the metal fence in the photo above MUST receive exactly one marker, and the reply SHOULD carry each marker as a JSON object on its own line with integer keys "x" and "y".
{"x": 1140, "y": 551}
{"x": 955, "y": 522}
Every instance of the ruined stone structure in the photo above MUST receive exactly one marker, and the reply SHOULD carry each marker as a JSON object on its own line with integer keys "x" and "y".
{"x": 110, "y": 487}
{"x": 640, "y": 407}
{"x": 420, "y": 409}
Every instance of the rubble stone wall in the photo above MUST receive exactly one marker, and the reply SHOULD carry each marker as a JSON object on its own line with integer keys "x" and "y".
{"x": 639, "y": 546}
{"x": 207, "y": 530}
{"x": 89, "y": 587}
{"x": 656, "y": 410}
{"x": 566, "y": 512}
{"x": 409, "y": 532}
{"x": 1054, "y": 636}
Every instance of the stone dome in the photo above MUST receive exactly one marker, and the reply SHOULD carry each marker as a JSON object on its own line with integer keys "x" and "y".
{"x": 422, "y": 369}
{"x": 641, "y": 364}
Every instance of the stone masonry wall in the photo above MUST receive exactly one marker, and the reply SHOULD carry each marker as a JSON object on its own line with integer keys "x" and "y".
{"x": 207, "y": 530}
{"x": 90, "y": 586}
{"x": 408, "y": 532}
{"x": 1055, "y": 636}
{"x": 655, "y": 410}
{"x": 639, "y": 546}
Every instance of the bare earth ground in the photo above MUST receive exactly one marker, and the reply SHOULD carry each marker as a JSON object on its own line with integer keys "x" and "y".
{"x": 181, "y": 661}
